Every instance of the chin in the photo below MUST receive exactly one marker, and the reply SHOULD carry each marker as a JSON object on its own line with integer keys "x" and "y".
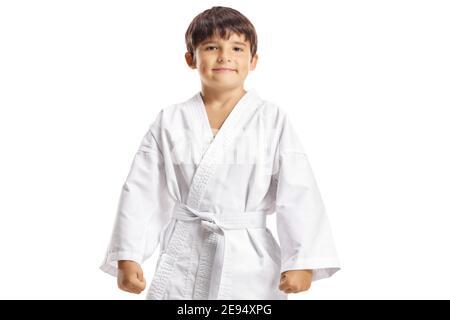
{"x": 226, "y": 85}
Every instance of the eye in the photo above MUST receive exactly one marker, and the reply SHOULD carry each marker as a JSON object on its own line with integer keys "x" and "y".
{"x": 208, "y": 47}
{"x": 239, "y": 49}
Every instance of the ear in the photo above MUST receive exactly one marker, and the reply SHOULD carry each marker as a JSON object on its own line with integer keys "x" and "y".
{"x": 253, "y": 62}
{"x": 190, "y": 60}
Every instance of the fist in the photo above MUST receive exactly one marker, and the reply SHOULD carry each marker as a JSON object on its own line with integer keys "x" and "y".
{"x": 294, "y": 281}
{"x": 130, "y": 277}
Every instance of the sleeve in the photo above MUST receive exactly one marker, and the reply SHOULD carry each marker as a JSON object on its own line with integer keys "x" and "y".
{"x": 143, "y": 210}
{"x": 304, "y": 232}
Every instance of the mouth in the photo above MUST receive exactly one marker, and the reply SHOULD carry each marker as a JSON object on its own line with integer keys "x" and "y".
{"x": 223, "y": 70}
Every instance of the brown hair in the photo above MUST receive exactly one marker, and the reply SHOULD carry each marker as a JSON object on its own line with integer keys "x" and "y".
{"x": 222, "y": 21}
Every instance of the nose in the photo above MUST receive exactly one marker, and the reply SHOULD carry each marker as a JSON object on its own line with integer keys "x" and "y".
{"x": 222, "y": 58}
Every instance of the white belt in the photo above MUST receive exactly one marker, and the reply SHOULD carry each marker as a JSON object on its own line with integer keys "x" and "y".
{"x": 224, "y": 221}
{"x": 216, "y": 225}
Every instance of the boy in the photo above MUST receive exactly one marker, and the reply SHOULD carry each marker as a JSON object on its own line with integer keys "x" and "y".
{"x": 207, "y": 173}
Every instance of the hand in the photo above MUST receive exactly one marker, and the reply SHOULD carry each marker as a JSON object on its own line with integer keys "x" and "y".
{"x": 130, "y": 276}
{"x": 294, "y": 281}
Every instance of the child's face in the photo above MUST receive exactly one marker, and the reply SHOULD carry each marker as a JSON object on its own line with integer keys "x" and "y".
{"x": 233, "y": 55}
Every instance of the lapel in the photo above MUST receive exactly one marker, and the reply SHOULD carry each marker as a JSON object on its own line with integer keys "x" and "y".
{"x": 212, "y": 153}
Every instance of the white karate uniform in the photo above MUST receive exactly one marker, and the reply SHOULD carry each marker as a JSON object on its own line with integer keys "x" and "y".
{"x": 205, "y": 200}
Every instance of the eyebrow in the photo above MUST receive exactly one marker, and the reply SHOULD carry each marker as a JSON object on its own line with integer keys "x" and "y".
{"x": 235, "y": 42}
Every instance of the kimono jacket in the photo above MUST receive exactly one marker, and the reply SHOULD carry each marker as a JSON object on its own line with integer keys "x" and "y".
{"x": 204, "y": 199}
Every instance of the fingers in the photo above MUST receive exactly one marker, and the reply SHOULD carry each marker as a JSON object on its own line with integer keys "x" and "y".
{"x": 133, "y": 286}
{"x": 130, "y": 289}
{"x": 133, "y": 283}
{"x": 288, "y": 286}
{"x": 284, "y": 286}
{"x": 139, "y": 284}
{"x": 140, "y": 274}
{"x": 142, "y": 283}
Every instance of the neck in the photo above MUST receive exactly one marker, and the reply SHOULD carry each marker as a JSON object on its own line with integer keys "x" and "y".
{"x": 220, "y": 99}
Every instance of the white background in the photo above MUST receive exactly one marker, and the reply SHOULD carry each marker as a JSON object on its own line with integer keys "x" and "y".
{"x": 366, "y": 83}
